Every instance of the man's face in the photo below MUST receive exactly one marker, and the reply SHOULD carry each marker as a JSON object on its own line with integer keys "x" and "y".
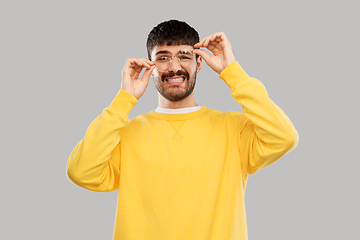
{"x": 178, "y": 81}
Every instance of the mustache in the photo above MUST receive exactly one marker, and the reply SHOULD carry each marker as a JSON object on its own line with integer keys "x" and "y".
{"x": 172, "y": 74}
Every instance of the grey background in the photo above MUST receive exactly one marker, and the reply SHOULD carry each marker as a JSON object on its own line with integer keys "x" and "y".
{"x": 60, "y": 65}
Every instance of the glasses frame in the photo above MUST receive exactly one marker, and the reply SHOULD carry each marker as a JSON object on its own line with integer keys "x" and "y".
{"x": 171, "y": 58}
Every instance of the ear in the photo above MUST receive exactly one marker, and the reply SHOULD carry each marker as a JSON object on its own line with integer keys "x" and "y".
{"x": 198, "y": 63}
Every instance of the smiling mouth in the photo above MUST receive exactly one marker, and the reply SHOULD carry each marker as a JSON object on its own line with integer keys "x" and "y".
{"x": 175, "y": 79}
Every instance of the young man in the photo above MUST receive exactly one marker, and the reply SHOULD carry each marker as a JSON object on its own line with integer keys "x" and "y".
{"x": 181, "y": 169}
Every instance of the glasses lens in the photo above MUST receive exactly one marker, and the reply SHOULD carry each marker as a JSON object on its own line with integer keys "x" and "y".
{"x": 162, "y": 65}
{"x": 162, "y": 62}
{"x": 185, "y": 56}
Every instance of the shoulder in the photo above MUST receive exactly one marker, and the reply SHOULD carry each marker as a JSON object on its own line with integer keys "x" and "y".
{"x": 229, "y": 114}
{"x": 230, "y": 117}
{"x": 137, "y": 123}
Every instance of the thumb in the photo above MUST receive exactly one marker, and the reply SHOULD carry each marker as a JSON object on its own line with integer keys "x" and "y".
{"x": 202, "y": 54}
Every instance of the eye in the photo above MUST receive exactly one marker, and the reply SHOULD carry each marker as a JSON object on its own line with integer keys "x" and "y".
{"x": 162, "y": 58}
{"x": 185, "y": 57}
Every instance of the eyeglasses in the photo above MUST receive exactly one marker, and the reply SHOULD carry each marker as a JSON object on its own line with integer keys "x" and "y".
{"x": 164, "y": 60}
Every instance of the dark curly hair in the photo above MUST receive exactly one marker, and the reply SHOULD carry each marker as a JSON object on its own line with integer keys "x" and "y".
{"x": 172, "y": 32}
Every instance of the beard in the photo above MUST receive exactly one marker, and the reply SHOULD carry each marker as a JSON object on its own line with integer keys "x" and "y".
{"x": 175, "y": 92}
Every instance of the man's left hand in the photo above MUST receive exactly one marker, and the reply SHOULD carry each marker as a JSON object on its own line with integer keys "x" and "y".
{"x": 220, "y": 46}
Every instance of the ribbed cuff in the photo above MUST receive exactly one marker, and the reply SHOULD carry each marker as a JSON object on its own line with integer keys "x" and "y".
{"x": 233, "y": 74}
{"x": 123, "y": 102}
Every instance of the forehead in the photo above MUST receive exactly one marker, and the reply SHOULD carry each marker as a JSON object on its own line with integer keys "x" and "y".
{"x": 171, "y": 49}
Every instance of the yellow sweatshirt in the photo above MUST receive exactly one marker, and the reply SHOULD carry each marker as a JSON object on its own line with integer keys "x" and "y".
{"x": 182, "y": 176}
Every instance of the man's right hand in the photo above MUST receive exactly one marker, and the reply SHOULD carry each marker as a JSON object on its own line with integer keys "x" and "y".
{"x": 130, "y": 76}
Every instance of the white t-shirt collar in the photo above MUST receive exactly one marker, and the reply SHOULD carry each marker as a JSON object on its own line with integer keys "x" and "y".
{"x": 177, "y": 111}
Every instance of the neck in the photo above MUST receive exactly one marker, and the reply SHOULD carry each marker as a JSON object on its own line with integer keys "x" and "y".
{"x": 185, "y": 103}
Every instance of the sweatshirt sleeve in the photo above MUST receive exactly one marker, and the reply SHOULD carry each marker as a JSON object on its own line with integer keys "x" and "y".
{"x": 94, "y": 163}
{"x": 266, "y": 133}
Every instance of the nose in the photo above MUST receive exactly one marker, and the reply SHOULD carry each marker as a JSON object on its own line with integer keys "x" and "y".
{"x": 175, "y": 64}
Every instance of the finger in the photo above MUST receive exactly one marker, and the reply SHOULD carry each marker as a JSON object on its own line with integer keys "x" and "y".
{"x": 136, "y": 65}
{"x": 218, "y": 37}
{"x": 221, "y": 36}
{"x": 134, "y": 62}
{"x": 144, "y": 63}
{"x": 147, "y": 62}
{"x": 202, "y": 54}
{"x": 135, "y": 75}
{"x": 147, "y": 74}
{"x": 204, "y": 44}
{"x": 211, "y": 47}
{"x": 214, "y": 37}
{"x": 211, "y": 39}
{"x": 218, "y": 40}
{"x": 201, "y": 42}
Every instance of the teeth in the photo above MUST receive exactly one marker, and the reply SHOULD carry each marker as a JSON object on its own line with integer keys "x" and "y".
{"x": 175, "y": 79}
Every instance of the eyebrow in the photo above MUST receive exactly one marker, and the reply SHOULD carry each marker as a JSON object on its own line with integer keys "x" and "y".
{"x": 168, "y": 52}
{"x": 162, "y": 52}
